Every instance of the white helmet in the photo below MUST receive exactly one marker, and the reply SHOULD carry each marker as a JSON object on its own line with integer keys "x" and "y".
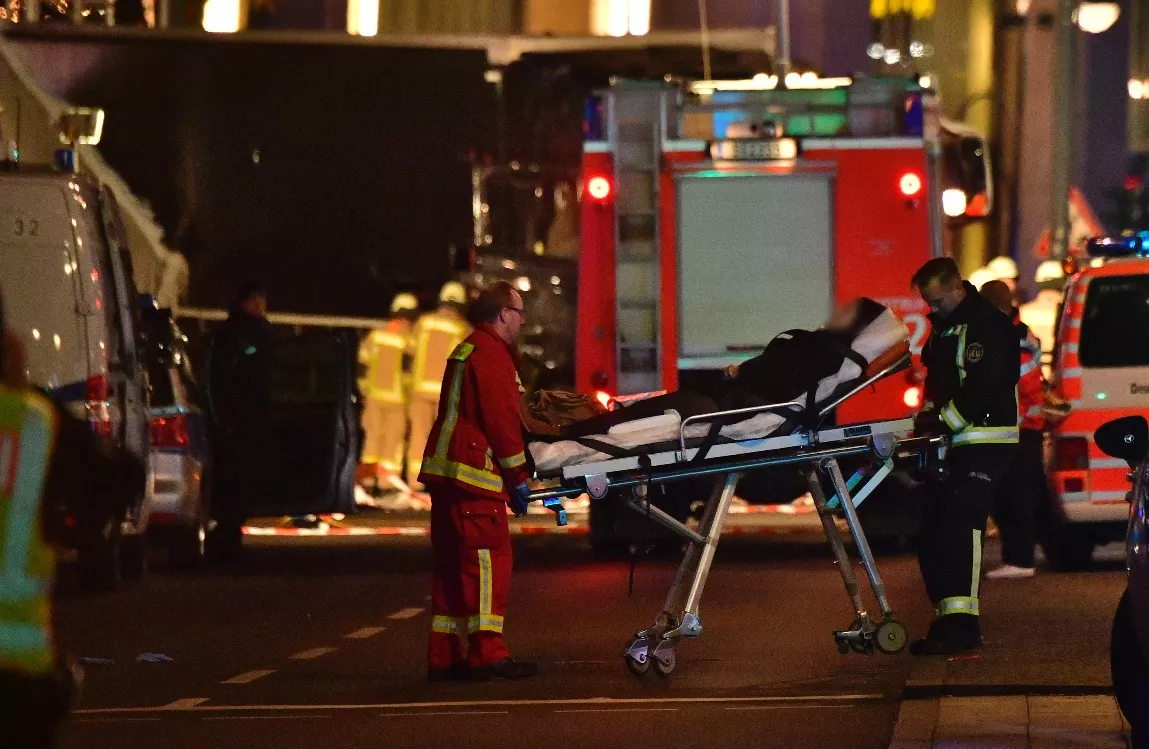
{"x": 404, "y": 302}
{"x": 453, "y": 292}
{"x": 980, "y": 277}
{"x": 1048, "y": 270}
{"x": 1003, "y": 268}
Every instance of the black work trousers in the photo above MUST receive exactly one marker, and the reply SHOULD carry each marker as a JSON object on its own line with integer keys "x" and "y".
{"x": 1022, "y": 490}
{"x": 32, "y": 708}
{"x": 953, "y": 525}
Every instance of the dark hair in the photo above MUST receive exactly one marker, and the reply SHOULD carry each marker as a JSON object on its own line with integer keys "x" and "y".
{"x": 998, "y": 294}
{"x": 492, "y": 301}
{"x": 938, "y": 270}
{"x": 248, "y": 290}
{"x": 868, "y": 311}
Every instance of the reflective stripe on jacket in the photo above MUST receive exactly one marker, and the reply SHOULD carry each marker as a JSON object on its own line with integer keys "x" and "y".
{"x": 436, "y": 335}
{"x": 27, "y": 561}
{"x": 1031, "y": 385}
{"x": 382, "y": 353}
{"x": 477, "y": 440}
{"x": 973, "y": 361}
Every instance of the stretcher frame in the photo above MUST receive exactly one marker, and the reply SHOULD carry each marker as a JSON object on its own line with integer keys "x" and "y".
{"x": 818, "y": 449}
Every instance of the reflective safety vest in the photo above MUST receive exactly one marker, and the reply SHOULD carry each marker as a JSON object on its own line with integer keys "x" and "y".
{"x": 382, "y": 352}
{"x": 436, "y": 336}
{"x": 27, "y": 561}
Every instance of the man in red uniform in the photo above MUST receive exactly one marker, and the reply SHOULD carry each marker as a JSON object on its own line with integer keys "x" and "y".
{"x": 473, "y": 466}
{"x": 1023, "y": 486}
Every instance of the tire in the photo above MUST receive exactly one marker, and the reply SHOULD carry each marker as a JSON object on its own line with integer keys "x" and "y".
{"x": 1068, "y": 547}
{"x": 134, "y": 557}
{"x": 99, "y": 565}
{"x": 1127, "y": 664}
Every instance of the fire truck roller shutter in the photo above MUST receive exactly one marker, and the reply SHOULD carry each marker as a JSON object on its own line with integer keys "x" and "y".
{"x": 755, "y": 259}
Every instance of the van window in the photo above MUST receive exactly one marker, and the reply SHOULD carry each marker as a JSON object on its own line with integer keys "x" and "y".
{"x": 1115, "y": 326}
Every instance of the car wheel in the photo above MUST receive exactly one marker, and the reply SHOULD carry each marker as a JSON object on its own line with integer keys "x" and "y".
{"x": 1068, "y": 547}
{"x": 99, "y": 558}
{"x": 1127, "y": 665}
{"x": 134, "y": 556}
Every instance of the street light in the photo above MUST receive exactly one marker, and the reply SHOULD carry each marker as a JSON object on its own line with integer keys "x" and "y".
{"x": 1097, "y": 18}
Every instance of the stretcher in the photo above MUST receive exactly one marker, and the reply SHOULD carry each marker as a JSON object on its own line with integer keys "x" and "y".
{"x": 802, "y": 439}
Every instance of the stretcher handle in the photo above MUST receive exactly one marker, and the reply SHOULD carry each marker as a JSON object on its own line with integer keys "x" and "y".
{"x": 791, "y": 408}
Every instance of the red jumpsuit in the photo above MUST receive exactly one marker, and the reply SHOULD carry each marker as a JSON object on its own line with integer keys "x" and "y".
{"x": 474, "y": 456}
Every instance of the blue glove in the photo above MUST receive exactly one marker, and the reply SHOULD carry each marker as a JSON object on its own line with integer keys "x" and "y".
{"x": 520, "y": 498}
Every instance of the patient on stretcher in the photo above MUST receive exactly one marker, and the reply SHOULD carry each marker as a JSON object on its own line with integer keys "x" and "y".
{"x": 798, "y": 365}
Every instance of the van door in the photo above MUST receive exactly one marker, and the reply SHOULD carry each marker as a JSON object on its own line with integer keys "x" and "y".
{"x": 315, "y": 426}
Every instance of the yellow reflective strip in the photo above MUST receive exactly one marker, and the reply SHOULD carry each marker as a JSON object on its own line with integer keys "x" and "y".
{"x": 953, "y": 418}
{"x": 484, "y": 581}
{"x": 957, "y": 605}
{"x": 485, "y": 623}
{"x": 449, "y": 469}
{"x": 975, "y": 583}
{"x": 462, "y": 351}
{"x": 961, "y": 354}
{"x": 444, "y": 625}
{"x": 514, "y": 461}
{"x": 987, "y": 436}
{"x": 448, "y": 427}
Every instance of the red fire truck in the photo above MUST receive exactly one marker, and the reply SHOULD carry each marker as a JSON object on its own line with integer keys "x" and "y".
{"x": 717, "y": 215}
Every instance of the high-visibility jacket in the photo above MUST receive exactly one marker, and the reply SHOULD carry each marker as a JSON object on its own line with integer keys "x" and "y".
{"x": 382, "y": 353}
{"x": 27, "y": 561}
{"x": 1031, "y": 385}
{"x": 972, "y": 361}
{"x": 436, "y": 335}
{"x": 477, "y": 440}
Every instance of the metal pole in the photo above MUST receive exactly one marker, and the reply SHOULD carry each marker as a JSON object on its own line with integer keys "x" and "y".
{"x": 1064, "y": 63}
{"x": 783, "y": 40}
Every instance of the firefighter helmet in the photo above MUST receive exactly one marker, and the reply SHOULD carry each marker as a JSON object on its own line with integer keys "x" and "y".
{"x": 453, "y": 292}
{"x": 980, "y": 277}
{"x": 404, "y": 302}
{"x": 1003, "y": 267}
{"x": 1049, "y": 270}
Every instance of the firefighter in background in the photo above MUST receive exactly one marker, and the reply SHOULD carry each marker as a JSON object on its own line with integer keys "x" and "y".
{"x": 1040, "y": 314}
{"x": 436, "y": 335}
{"x": 384, "y": 356}
{"x": 1005, "y": 270}
{"x": 1023, "y": 486}
{"x": 972, "y": 363}
{"x": 474, "y": 466}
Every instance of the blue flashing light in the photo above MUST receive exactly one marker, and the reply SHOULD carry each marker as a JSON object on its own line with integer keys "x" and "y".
{"x": 1121, "y": 246}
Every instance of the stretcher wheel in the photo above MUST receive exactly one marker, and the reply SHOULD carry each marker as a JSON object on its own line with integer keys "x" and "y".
{"x": 891, "y": 637}
{"x": 664, "y": 661}
{"x": 635, "y": 667}
{"x": 862, "y": 644}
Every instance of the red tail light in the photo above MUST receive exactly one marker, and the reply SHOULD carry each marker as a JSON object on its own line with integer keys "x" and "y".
{"x": 1071, "y": 454}
{"x": 170, "y": 431}
{"x": 598, "y": 187}
{"x": 97, "y": 405}
{"x": 910, "y": 184}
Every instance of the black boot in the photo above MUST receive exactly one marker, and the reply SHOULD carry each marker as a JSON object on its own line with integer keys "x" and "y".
{"x": 507, "y": 668}
{"x": 953, "y": 634}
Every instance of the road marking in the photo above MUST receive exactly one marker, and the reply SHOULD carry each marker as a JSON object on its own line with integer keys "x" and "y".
{"x": 620, "y": 710}
{"x": 409, "y": 613}
{"x": 786, "y": 707}
{"x": 308, "y": 655}
{"x": 117, "y": 720}
{"x": 363, "y": 634}
{"x": 594, "y": 701}
{"x": 249, "y": 676}
{"x": 445, "y": 712}
{"x": 266, "y": 717}
{"x": 185, "y": 703}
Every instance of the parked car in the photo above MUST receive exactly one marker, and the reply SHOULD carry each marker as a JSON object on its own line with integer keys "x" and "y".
{"x": 70, "y": 298}
{"x": 1127, "y": 439}
{"x": 181, "y": 457}
{"x": 1101, "y": 370}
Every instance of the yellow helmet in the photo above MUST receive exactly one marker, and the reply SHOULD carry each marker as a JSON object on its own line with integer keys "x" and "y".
{"x": 453, "y": 292}
{"x": 404, "y": 302}
{"x": 1002, "y": 267}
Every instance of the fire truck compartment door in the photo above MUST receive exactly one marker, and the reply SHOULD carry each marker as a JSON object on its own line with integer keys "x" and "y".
{"x": 754, "y": 259}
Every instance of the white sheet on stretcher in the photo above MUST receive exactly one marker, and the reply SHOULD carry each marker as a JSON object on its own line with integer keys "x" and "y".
{"x": 885, "y": 332}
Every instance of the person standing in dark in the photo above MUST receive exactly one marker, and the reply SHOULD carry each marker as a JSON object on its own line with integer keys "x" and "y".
{"x": 239, "y": 397}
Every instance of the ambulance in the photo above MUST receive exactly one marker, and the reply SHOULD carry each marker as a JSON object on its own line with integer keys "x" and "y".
{"x": 718, "y": 214}
{"x": 1101, "y": 369}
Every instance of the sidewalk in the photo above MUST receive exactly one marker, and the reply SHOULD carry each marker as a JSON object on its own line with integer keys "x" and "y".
{"x": 1041, "y": 680}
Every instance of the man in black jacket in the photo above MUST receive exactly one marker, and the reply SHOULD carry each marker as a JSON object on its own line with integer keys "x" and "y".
{"x": 239, "y": 395}
{"x": 973, "y": 360}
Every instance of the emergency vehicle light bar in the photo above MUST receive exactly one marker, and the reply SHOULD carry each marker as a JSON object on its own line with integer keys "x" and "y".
{"x": 1123, "y": 246}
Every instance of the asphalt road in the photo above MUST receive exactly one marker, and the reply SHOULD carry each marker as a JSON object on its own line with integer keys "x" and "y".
{"x": 320, "y": 642}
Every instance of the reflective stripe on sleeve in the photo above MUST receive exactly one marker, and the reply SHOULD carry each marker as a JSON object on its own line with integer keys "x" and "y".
{"x": 24, "y": 637}
{"x": 485, "y": 623}
{"x": 450, "y": 469}
{"x": 975, "y": 581}
{"x": 514, "y": 461}
{"x": 444, "y": 625}
{"x": 987, "y": 436}
{"x": 484, "y": 581}
{"x": 952, "y": 418}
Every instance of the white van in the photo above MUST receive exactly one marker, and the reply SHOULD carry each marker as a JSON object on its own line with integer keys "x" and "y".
{"x": 65, "y": 274}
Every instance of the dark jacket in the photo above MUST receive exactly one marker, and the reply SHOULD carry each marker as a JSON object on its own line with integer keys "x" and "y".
{"x": 792, "y": 364}
{"x": 239, "y": 373}
{"x": 973, "y": 361}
